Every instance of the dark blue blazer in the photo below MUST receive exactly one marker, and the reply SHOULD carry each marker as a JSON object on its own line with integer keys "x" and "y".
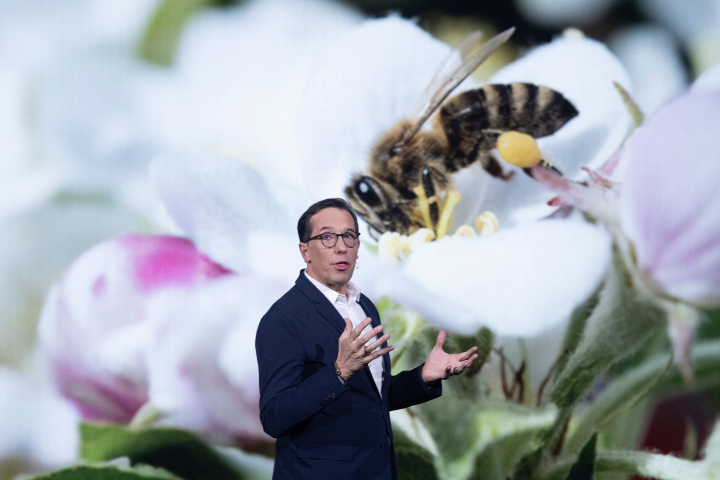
{"x": 324, "y": 429}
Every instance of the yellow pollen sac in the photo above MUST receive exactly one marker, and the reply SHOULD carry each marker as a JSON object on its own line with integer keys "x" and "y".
{"x": 422, "y": 235}
{"x": 393, "y": 247}
{"x": 389, "y": 246}
{"x": 465, "y": 231}
{"x": 453, "y": 197}
{"x": 519, "y": 149}
{"x": 487, "y": 223}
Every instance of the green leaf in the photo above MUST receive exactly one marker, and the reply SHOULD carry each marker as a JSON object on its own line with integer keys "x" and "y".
{"x": 474, "y": 438}
{"x": 413, "y": 461}
{"x": 652, "y": 465}
{"x": 619, "y": 324}
{"x": 484, "y": 339}
{"x": 162, "y": 34}
{"x": 107, "y": 472}
{"x": 404, "y": 327}
{"x": 177, "y": 451}
{"x": 576, "y": 326}
{"x": 622, "y": 394}
{"x": 584, "y": 466}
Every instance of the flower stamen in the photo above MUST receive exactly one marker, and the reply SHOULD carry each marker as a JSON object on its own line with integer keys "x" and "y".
{"x": 424, "y": 205}
{"x": 452, "y": 199}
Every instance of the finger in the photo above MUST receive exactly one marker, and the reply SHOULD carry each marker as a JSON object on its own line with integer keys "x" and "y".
{"x": 465, "y": 364}
{"x": 440, "y": 339}
{"x": 361, "y": 326}
{"x": 370, "y": 335}
{"x": 448, "y": 372}
{"x": 348, "y": 328}
{"x": 377, "y": 353}
{"x": 378, "y": 343}
{"x": 466, "y": 355}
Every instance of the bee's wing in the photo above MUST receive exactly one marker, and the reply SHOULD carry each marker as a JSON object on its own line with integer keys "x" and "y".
{"x": 456, "y": 68}
{"x": 450, "y": 65}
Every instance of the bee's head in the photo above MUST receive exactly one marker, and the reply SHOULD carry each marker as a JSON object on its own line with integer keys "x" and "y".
{"x": 374, "y": 203}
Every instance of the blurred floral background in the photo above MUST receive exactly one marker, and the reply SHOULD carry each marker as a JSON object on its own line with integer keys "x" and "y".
{"x": 156, "y": 154}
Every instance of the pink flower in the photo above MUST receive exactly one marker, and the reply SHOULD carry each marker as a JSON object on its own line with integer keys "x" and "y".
{"x": 93, "y": 327}
{"x": 148, "y": 330}
{"x": 670, "y": 207}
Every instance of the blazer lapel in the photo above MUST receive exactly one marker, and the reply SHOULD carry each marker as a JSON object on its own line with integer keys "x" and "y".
{"x": 386, "y": 357}
{"x": 322, "y": 305}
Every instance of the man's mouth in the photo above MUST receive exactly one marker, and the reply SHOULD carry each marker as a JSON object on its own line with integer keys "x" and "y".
{"x": 342, "y": 265}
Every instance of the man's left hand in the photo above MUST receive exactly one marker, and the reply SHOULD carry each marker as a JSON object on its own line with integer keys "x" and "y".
{"x": 441, "y": 365}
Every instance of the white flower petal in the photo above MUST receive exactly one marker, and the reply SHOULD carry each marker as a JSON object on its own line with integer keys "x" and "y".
{"x": 218, "y": 201}
{"x": 203, "y": 375}
{"x": 709, "y": 80}
{"x": 38, "y": 427}
{"x": 88, "y": 115}
{"x": 670, "y": 203}
{"x": 518, "y": 281}
{"x": 378, "y": 278}
{"x": 652, "y": 58}
{"x": 238, "y": 77}
{"x": 364, "y": 83}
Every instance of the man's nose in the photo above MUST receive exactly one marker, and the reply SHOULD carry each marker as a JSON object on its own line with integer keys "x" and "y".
{"x": 340, "y": 246}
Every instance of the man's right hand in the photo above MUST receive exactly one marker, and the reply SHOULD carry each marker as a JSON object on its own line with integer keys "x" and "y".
{"x": 351, "y": 348}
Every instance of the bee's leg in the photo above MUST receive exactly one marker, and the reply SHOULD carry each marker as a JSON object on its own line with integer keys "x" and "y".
{"x": 480, "y": 152}
{"x": 429, "y": 187}
{"x": 545, "y": 164}
{"x": 493, "y": 167}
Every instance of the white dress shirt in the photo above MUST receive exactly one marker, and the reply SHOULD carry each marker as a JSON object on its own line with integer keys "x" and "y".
{"x": 348, "y": 307}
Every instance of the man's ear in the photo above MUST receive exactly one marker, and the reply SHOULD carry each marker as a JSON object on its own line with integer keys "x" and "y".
{"x": 304, "y": 252}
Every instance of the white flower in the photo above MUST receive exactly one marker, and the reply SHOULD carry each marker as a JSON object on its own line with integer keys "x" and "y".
{"x": 67, "y": 143}
{"x": 371, "y": 78}
{"x": 237, "y": 79}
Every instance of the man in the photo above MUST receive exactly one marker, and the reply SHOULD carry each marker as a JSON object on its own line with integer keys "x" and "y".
{"x": 325, "y": 386}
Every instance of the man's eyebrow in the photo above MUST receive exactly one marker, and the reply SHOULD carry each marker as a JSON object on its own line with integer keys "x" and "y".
{"x": 349, "y": 229}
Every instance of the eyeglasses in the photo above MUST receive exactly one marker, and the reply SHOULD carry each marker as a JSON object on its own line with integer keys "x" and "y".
{"x": 329, "y": 240}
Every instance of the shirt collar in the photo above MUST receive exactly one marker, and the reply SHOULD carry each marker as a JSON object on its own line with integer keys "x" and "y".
{"x": 352, "y": 290}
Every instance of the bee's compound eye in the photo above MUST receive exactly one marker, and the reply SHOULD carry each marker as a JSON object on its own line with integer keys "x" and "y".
{"x": 366, "y": 193}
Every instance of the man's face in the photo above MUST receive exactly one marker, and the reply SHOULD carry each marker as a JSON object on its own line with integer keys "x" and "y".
{"x": 330, "y": 266}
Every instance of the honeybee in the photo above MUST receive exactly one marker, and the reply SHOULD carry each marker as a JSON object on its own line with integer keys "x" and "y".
{"x": 409, "y": 169}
